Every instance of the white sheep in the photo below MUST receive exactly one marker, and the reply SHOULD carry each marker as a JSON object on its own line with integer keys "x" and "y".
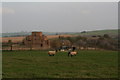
{"x": 51, "y": 53}
{"x": 72, "y": 53}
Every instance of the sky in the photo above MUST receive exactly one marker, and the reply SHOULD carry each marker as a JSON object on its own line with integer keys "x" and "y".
{"x": 59, "y": 16}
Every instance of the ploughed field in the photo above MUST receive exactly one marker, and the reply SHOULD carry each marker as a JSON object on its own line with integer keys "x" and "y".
{"x": 20, "y": 39}
{"x": 37, "y": 64}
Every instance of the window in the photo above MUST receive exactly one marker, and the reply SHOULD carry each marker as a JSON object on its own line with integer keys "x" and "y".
{"x": 41, "y": 45}
{"x": 34, "y": 34}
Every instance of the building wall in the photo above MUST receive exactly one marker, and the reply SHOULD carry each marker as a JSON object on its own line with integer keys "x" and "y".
{"x": 37, "y": 40}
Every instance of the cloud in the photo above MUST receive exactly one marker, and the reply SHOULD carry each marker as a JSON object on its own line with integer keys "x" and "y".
{"x": 85, "y": 12}
{"x": 6, "y": 11}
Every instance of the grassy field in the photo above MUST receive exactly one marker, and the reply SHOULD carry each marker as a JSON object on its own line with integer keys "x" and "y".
{"x": 99, "y": 32}
{"x": 37, "y": 64}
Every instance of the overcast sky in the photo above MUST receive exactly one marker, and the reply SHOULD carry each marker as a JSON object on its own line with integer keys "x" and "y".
{"x": 59, "y": 16}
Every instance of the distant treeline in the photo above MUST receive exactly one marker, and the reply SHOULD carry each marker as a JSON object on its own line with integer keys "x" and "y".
{"x": 101, "y": 42}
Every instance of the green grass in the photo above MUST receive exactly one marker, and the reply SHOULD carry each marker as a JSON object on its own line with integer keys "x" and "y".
{"x": 37, "y": 64}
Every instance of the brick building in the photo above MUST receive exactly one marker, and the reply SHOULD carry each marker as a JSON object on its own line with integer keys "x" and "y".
{"x": 37, "y": 41}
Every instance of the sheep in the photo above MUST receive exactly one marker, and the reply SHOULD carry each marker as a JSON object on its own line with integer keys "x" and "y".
{"x": 72, "y": 53}
{"x": 52, "y": 53}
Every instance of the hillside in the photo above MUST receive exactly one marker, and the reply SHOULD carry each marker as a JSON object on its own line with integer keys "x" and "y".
{"x": 99, "y": 32}
{"x": 87, "y": 33}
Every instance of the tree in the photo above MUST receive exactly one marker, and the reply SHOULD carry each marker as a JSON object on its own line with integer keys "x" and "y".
{"x": 81, "y": 43}
{"x": 10, "y": 43}
{"x": 106, "y": 36}
{"x": 55, "y": 44}
{"x": 106, "y": 43}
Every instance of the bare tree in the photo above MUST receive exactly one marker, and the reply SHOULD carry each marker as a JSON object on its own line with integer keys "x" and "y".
{"x": 55, "y": 44}
{"x": 81, "y": 43}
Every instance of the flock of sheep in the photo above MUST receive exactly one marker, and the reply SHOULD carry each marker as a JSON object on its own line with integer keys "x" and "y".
{"x": 70, "y": 53}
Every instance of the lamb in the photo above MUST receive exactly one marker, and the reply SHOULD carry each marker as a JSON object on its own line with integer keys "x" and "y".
{"x": 72, "y": 53}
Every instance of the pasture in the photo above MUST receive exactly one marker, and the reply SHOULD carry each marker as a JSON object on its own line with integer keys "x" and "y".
{"x": 37, "y": 64}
